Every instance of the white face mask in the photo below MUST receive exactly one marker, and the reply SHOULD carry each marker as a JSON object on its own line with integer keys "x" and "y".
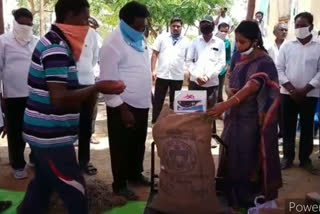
{"x": 247, "y": 52}
{"x": 22, "y": 33}
{"x": 222, "y": 35}
{"x": 303, "y": 32}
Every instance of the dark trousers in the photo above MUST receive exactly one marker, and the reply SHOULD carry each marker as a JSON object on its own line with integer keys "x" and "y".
{"x": 212, "y": 93}
{"x": 290, "y": 111}
{"x": 127, "y": 145}
{"x": 56, "y": 170}
{"x": 16, "y": 145}
{"x": 86, "y": 128}
{"x": 161, "y": 88}
{"x": 221, "y": 84}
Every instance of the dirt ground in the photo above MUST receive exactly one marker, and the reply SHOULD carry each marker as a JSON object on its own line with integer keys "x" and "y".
{"x": 296, "y": 182}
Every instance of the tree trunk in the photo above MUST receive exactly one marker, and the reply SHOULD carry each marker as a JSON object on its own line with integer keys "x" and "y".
{"x": 32, "y": 7}
{"x": 42, "y": 21}
{"x": 251, "y": 8}
{"x": 1, "y": 18}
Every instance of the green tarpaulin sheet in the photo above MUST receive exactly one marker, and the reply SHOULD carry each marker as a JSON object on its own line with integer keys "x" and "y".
{"x": 133, "y": 207}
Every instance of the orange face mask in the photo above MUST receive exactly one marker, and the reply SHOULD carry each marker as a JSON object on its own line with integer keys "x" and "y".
{"x": 76, "y": 36}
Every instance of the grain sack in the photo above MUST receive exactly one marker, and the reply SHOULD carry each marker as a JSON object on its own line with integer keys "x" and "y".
{"x": 187, "y": 176}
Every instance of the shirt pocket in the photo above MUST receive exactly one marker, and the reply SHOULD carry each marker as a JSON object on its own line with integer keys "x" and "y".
{"x": 311, "y": 66}
{"x": 312, "y": 62}
{"x": 213, "y": 54}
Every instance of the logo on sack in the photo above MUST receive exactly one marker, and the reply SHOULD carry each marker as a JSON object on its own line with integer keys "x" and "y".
{"x": 189, "y": 97}
{"x": 180, "y": 156}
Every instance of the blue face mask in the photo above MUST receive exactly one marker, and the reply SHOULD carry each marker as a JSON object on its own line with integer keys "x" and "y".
{"x": 132, "y": 37}
{"x": 175, "y": 38}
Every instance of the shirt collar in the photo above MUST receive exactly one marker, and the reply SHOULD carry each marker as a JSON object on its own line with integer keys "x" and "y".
{"x": 180, "y": 37}
{"x": 311, "y": 41}
{"x": 211, "y": 40}
{"x": 275, "y": 44}
{"x": 59, "y": 32}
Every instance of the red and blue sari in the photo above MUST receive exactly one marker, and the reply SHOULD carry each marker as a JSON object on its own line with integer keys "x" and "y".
{"x": 250, "y": 133}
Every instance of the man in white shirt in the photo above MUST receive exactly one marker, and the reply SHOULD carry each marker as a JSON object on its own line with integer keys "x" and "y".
{"x": 169, "y": 49}
{"x": 224, "y": 18}
{"x": 124, "y": 56}
{"x": 16, "y": 49}
{"x": 86, "y": 74}
{"x": 280, "y": 31}
{"x": 298, "y": 66}
{"x": 259, "y": 18}
{"x": 206, "y": 58}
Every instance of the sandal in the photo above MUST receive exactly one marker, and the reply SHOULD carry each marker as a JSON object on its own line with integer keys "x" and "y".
{"x": 5, "y": 205}
{"x": 94, "y": 140}
{"x": 89, "y": 169}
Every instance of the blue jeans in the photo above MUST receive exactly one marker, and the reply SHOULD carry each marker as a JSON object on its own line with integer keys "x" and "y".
{"x": 56, "y": 170}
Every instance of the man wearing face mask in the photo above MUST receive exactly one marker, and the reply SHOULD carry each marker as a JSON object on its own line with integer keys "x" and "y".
{"x": 16, "y": 48}
{"x": 170, "y": 50}
{"x": 124, "y": 56}
{"x": 223, "y": 30}
{"x": 224, "y": 18}
{"x": 51, "y": 118}
{"x": 206, "y": 58}
{"x": 298, "y": 66}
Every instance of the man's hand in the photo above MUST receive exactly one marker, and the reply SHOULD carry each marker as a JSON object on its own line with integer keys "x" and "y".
{"x": 298, "y": 95}
{"x": 126, "y": 116}
{"x": 295, "y": 94}
{"x": 202, "y": 80}
{"x": 154, "y": 76}
{"x": 110, "y": 87}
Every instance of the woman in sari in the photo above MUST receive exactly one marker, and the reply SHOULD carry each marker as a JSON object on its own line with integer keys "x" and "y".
{"x": 251, "y": 165}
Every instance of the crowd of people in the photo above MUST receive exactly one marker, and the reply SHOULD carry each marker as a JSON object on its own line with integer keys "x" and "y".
{"x": 51, "y": 85}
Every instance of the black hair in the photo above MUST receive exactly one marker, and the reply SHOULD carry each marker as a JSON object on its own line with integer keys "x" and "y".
{"x": 251, "y": 31}
{"x": 223, "y": 24}
{"x": 260, "y": 12}
{"x": 176, "y": 19}
{"x": 133, "y": 10}
{"x": 305, "y": 15}
{"x": 22, "y": 12}
{"x": 63, "y": 7}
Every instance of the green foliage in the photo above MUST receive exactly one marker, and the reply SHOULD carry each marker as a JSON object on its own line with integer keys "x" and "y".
{"x": 161, "y": 10}
{"x": 34, "y": 7}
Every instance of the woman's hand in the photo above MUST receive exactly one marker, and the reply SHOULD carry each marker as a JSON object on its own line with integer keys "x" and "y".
{"x": 231, "y": 91}
{"x": 217, "y": 110}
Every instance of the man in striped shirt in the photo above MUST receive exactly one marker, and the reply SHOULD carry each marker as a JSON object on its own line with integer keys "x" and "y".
{"x": 51, "y": 117}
